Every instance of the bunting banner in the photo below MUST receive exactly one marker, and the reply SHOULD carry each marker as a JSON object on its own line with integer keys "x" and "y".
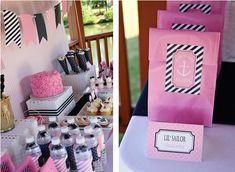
{"x": 50, "y": 16}
{"x": 28, "y": 27}
{"x": 57, "y": 15}
{"x": 12, "y": 22}
{"x": 41, "y": 28}
{"x": 12, "y": 28}
{"x": 64, "y": 7}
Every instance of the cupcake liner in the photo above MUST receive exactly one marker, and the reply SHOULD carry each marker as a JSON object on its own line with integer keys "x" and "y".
{"x": 72, "y": 62}
{"x": 82, "y": 60}
{"x": 63, "y": 63}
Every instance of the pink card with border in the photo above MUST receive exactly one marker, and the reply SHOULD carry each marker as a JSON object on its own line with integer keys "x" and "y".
{"x": 174, "y": 141}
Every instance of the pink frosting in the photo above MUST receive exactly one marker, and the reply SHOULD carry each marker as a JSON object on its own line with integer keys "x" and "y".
{"x": 46, "y": 84}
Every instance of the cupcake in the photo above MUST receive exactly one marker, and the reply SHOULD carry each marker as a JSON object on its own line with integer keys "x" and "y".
{"x": 109, "y": 102}
{"x": 63, "y": 123}
{"x": 97, "y": 102}
{"x": 105, "y": 110}
{"x": 92, "y": 109}
{"x": 100, "y": 82}
{"x": 103, "y": 121}
{"x": 109, "y": 99}
{"x": 82, "y": 121}
{"x": 109, "y": 82}
{"x": 106, "y": 103}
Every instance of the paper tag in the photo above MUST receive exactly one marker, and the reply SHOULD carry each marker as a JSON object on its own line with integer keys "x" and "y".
{"x": 184, "y": 68}
{"x": 175, "y": 141}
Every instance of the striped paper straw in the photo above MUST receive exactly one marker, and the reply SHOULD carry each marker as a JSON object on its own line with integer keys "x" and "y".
{"x": 97, "y": 166}
{"x": 103, "y": 156}
{"x": 101, "y": 145}
{"x": 60, "y": 164}
{"x": 35, "y": 161}
{"x": 85, "y": 166}
{"x": 101, "y": 149}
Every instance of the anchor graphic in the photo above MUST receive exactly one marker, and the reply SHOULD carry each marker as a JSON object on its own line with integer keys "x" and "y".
{"x": 184, "y": 72}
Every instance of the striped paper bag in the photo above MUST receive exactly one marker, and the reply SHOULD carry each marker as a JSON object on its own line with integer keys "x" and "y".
{"x": 182, "y": 76}
{"x": 199, "y": 22}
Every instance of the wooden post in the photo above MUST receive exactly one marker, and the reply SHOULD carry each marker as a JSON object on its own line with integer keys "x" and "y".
{"x": 72, "y": 23}
{"x": 124, "y": 87}
{"x": 80, "y": 27}
{"x": 76, "y": 24}
{"x": 147, "y": 18}
{"x": 89, "y": 45}
{"x": 98, "y": 50}
{"x": 106, "y": 50}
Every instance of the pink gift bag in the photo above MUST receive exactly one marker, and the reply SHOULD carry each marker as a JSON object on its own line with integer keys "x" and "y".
{"x": 192, "y": 21}
{"x": 182, "y": 76}
{"x": 206, "y": 7}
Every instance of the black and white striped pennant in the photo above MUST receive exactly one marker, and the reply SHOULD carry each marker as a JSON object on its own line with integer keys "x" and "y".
{"x": 12, "y": 28}
{"x": 205, "y": 8}
{"x": 198, "y": 28}
{"x": 198, "y": 51}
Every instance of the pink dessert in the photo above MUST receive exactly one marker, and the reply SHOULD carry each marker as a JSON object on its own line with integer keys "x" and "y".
{"x": 46, "y": 84}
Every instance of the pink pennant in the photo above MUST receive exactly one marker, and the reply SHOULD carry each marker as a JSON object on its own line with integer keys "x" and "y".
{"x": 2, "y": 65}
{"x": 29, "y": 30}
{"x": 50, "y": 16}
{"x": 64, "y": 7}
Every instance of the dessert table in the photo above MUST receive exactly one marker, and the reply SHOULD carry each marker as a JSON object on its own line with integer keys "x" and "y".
{"x": 218, "y": 151}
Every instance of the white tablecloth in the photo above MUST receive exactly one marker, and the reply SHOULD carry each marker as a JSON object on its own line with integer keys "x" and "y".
{"x": 218, "y": 151}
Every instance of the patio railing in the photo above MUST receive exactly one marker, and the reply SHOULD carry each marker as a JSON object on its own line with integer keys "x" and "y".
{"x": 97, "y": 38}
{"x": 78, "y": 38}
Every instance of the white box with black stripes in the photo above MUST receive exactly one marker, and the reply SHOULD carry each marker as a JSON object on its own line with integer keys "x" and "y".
{"x": 59, "y": 105}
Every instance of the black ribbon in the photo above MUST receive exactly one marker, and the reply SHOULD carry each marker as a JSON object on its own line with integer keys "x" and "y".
{"x": 57, "y": 15}
{"x": 41, "y": 27}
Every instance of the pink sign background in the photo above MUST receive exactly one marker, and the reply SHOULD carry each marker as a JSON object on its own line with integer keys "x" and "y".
{"x": 29, "y": 29}
{"x": 197, "y": 131}
{"x": 50, "y": 16}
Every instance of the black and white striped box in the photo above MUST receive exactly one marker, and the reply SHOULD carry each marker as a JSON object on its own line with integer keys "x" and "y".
{"x": 59, "y": 105}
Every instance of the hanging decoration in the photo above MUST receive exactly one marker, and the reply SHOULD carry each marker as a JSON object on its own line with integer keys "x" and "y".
{"x": 29, "y": 30}
{"x": 41, "y": 28}
{"x": 12, "y": 28}
{"x": 64, "y": 7}
{"x": 57, "y": 15}
{"x": 51, "y": 19}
